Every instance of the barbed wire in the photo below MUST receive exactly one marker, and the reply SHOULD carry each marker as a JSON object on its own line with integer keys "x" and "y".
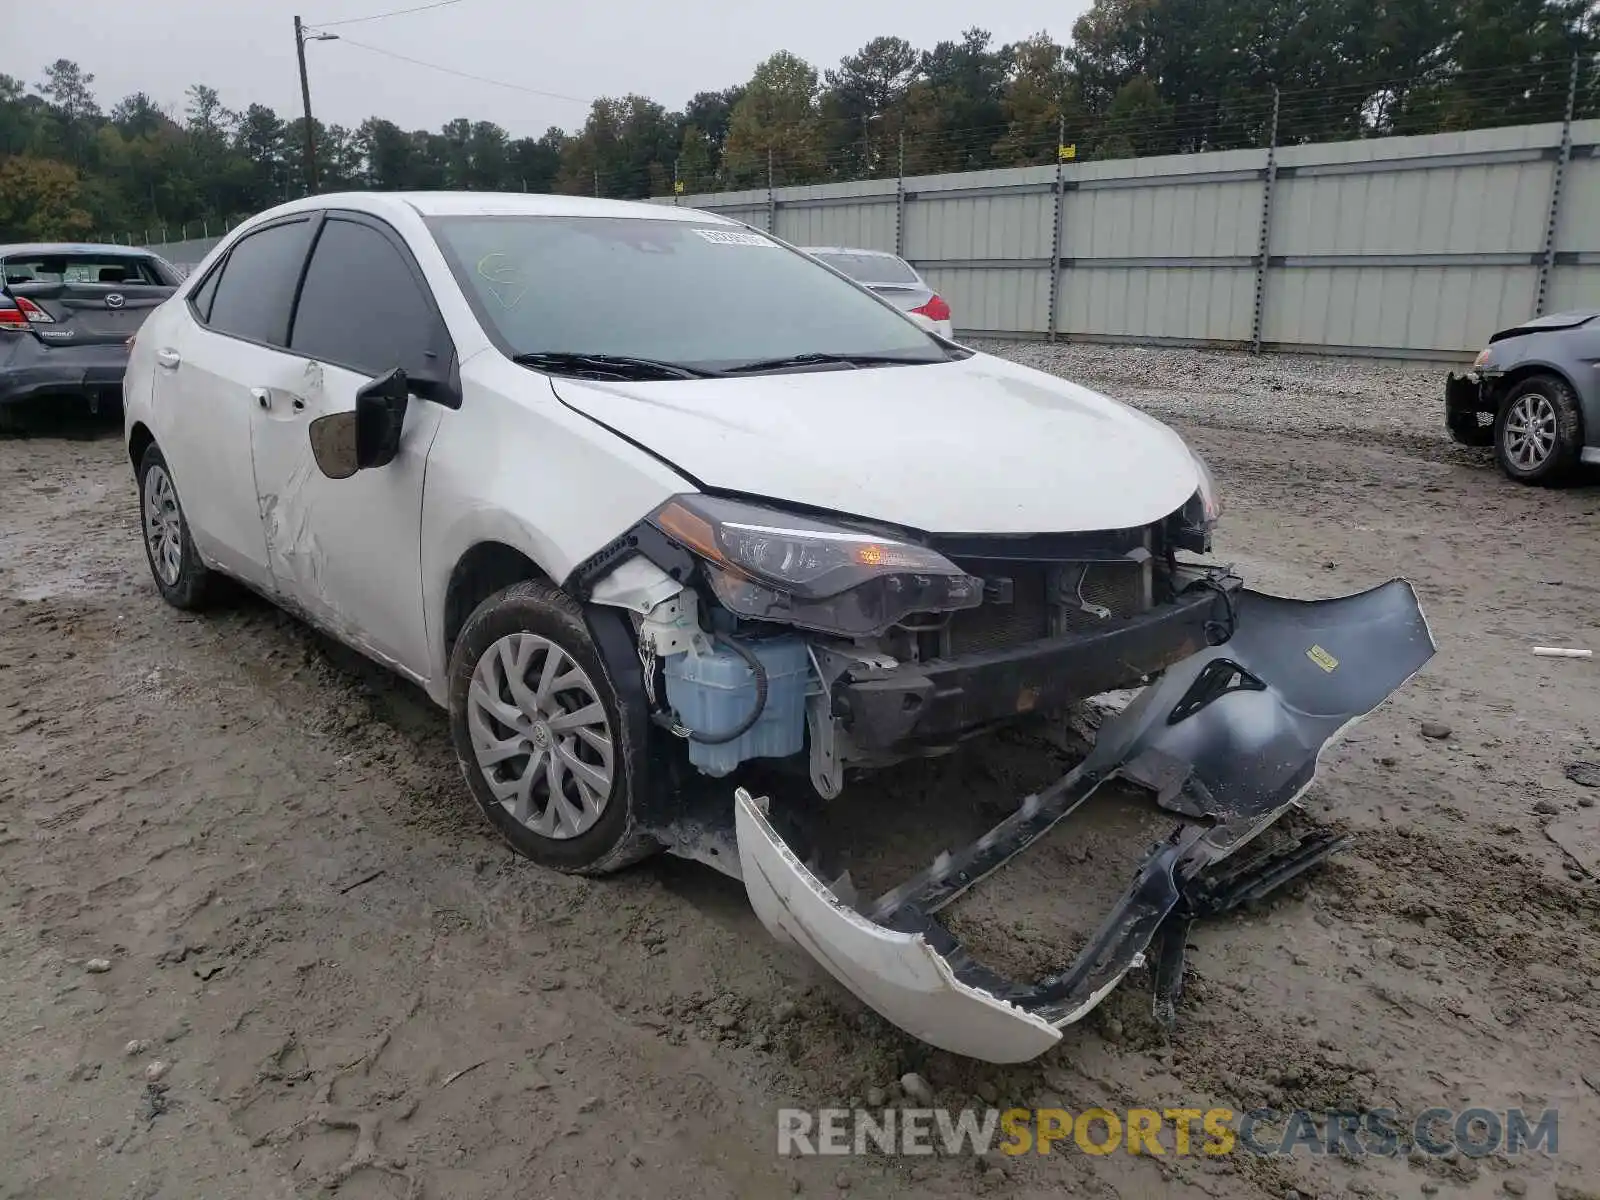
{"x": 842, "y": 149}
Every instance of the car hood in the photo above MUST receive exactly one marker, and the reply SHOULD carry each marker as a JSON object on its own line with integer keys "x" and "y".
{"x": 1548, "y": 324}
{"x": 979, "y": 445}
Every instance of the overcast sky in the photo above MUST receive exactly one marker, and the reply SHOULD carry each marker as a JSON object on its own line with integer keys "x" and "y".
{"x": 665, "y": 50}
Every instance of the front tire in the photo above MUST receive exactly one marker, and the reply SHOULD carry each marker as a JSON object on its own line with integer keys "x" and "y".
{"x": 182, "y": 579}
{"x": 1538, "y": 432}
{"x": 541, "y": 735}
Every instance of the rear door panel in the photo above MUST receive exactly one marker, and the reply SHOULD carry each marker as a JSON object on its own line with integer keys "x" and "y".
{"x": 215, "y": 364}
{"x": 205, "y": 415}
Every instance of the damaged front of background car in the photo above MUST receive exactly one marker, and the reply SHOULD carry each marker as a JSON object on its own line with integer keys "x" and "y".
{"x": 764, "y": 634}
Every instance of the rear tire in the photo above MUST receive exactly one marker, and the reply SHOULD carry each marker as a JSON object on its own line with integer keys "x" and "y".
{"x": 1538, "y": 433}
{"x": 541, "y": 735}
{"x": 182, "y": 579}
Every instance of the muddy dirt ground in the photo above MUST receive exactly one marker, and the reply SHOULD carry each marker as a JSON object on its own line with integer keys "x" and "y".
{"x": 347, "y": 980}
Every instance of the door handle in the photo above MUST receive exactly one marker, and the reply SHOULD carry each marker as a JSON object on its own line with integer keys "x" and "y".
{"x": 263, "y": 397}
{"x": 168, "y": 358}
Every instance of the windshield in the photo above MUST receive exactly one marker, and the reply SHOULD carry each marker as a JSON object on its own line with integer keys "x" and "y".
{"x": 868, "y": 268}
{"x": 701, "y": 295}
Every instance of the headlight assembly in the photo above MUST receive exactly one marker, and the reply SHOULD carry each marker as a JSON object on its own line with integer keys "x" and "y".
{"x": 1200, "y": 515}
{"x": 769, "y": 565}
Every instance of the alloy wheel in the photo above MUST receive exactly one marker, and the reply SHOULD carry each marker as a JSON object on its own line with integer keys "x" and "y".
{"x": 1530, "y": 431}
{"x": 541, "y": 735}
{"x": 163, "y": 525}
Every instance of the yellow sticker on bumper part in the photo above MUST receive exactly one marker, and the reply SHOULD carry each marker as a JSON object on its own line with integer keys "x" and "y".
{"x": 1323, "y": 659}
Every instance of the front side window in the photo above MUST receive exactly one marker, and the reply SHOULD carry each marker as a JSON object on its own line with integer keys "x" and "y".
{"x": 254, "y": 295}
{"x": 711, "y": 297}
{"x": 361, "y": 306}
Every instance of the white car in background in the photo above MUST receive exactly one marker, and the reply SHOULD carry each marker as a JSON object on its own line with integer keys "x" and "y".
{"x": 893, "y": 278}
{"x": 639, "y": 496}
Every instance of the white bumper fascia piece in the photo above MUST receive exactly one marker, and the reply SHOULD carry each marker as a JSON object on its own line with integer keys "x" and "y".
{"x": 899, "y": 975}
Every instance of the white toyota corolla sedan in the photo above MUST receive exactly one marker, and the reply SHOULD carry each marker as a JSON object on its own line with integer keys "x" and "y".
{"x": 639, "y": 495}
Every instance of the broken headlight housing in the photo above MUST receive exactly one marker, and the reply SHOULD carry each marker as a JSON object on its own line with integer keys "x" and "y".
{"x": 1200, "y": 515}
{"x": 768, "y": 565}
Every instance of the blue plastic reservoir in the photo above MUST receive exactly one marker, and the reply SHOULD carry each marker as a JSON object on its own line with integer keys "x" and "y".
{"x": 715, "y": 691}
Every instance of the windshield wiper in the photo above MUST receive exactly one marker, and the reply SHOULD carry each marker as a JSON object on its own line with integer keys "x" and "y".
{"x": 618, "y": 366}
{"x": 822, "y": 359}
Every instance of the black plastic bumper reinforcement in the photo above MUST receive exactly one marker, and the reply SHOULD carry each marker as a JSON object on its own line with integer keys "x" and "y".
{"x": 1229, "y": 738}
{"x": 944, "y": 699}
{"x": 1468, "y": 400}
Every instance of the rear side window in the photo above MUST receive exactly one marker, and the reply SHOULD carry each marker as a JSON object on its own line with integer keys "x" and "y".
{"x": 256, "y": 290}
{"x": 362, "y": 305}
{"x": 206, "y": 293}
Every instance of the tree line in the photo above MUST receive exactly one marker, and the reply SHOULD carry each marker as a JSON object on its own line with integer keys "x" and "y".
{"x": 1136, "y": 77}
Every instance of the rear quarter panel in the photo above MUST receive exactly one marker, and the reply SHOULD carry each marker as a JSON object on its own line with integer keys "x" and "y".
{"x": 138, "y": 382}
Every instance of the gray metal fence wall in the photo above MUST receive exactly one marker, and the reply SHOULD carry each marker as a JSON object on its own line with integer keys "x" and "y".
{"x": 1418, "y": 246}
{"x": 1391, "y": 246}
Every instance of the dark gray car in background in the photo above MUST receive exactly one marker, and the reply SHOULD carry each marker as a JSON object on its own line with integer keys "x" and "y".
{"x": 66, "y": 314}
{"x": 1534, "y": 395}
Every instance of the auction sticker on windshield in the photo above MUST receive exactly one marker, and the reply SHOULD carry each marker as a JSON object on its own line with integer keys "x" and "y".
{"x": 725, "y": 237}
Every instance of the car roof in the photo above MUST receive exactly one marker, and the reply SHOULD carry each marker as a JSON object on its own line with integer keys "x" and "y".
{"x": 21, "y": 249}
{"x": 498, "y": 204}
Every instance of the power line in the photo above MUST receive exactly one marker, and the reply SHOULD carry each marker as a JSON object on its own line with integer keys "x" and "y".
{"x": 417, "y": 62}
{"x": 399, "y": 12}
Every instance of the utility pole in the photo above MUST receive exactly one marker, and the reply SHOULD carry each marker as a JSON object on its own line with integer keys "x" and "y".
{"x": 301, "y": 37}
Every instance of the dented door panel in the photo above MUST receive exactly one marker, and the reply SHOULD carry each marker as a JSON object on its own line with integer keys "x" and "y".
{"x": 206, "y": 421}
{"x": 345, "y": 552}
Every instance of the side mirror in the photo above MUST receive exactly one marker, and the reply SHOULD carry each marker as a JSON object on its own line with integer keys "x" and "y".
{"x": 380, "y": 419}
{"x": 346, "y": 442}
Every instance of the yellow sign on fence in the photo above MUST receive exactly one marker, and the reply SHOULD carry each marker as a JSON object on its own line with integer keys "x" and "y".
{"x": 1066, "y": 153}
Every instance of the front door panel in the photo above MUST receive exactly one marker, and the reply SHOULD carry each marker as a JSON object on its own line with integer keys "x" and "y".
{"x": 346, "y": 552}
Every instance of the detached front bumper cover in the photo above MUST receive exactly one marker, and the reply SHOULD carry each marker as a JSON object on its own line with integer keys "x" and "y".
{"x": 1228, "y": 739}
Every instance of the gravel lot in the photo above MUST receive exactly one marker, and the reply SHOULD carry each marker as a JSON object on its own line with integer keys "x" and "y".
{"x": 321, "y": 968}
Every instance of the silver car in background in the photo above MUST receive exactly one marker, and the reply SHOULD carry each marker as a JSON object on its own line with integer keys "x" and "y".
{"x": 1534, "y": 395}
{"x": 893, "y": 278}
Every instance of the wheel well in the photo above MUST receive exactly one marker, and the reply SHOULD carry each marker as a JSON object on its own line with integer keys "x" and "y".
{"x": 140, "y": 440}
{"x": 1515, "y": 376}
{"x": 482, "y": 571}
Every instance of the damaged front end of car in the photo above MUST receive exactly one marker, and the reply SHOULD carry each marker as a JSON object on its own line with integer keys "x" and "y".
{"x": 842, "y": 646}
{"x": 1227, "y": 739}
